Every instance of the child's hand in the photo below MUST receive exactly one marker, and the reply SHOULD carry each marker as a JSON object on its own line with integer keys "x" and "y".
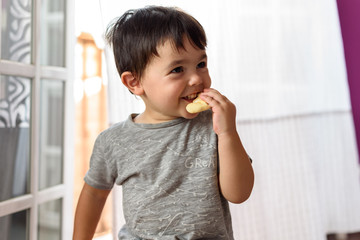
{"x": 224, "y": 111}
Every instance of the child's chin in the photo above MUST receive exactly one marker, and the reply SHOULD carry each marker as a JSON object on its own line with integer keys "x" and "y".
{"x": 190, "y": 115}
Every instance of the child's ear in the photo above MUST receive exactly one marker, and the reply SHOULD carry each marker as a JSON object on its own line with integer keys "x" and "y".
{"x": 132, "y": 83}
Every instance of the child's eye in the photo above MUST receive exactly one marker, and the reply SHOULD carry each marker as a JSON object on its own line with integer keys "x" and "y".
{"x": 177, "y": 70}
{"x": 201, "y": 65}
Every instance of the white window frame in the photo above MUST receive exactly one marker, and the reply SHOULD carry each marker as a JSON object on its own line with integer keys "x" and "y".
{"x": 36, "y": 72}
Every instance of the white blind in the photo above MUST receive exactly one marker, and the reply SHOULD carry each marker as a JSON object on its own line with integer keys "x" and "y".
{"x": 271, "y": 58}
{"x": 281, "y": 62}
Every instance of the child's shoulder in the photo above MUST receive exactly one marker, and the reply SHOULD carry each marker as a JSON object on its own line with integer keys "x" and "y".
{"x": 115, "y": 130}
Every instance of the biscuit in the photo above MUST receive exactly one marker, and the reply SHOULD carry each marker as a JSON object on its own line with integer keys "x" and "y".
{"x": 198, "y": 105}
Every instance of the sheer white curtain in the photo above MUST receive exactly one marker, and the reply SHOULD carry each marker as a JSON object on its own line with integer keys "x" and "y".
{"x": 281, "y": 62}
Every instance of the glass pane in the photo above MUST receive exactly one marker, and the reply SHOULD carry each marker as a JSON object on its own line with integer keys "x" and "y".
{"x": 51, "y": 135}
{"x": 15, "y": 103}
{"x": 53, "y": 32}
{"x": 49, "y": 226}
{"x": 16, "y": 30}
{"x": 14, "y": 226}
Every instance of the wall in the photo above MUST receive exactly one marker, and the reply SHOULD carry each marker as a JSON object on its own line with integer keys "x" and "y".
{"x": 349, "y": 14}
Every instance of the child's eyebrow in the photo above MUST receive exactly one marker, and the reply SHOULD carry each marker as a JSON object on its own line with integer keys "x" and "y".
{"x": 204, "y": 56}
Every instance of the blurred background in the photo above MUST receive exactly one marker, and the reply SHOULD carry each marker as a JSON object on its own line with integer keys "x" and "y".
{"x": 291, "y": 67}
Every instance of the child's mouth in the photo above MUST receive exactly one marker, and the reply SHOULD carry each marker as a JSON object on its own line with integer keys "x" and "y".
{"x": 191, "y": 97}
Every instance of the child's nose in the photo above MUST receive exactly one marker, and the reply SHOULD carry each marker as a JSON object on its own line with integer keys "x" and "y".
{"x": 195, "y": 79}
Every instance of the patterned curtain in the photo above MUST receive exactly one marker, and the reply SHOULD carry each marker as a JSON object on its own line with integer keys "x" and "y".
{"x": 15, "y": 100}
{"x": 15, "y": 46}
{"x": 15, "y": 104}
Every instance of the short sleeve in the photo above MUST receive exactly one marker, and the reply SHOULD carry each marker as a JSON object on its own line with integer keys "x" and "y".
{"x": 100, "y": 174}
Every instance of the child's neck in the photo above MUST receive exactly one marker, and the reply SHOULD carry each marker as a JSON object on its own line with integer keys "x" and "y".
{"x": 149, "y": 119}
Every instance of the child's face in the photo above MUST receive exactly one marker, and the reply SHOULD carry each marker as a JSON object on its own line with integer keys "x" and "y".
{"x": 172, "y": 80}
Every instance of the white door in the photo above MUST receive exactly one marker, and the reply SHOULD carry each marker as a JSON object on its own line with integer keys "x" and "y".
{"x": 36, "y": 111}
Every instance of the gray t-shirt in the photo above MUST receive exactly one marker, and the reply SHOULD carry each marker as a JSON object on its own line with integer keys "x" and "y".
{"x": 169, "y": 175}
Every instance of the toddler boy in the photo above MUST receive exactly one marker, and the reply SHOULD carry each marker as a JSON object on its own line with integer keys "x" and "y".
{"x": 178, "y": 170}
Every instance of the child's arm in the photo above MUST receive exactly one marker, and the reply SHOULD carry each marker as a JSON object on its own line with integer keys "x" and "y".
{"x": 88, "y": 211}
{"x": 236, "y": 177}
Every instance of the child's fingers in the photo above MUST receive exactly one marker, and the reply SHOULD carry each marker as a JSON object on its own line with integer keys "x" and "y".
{"x": 213, "y": 97}
{"x": 209, "y": 100}
{"x": 224, "y": 111}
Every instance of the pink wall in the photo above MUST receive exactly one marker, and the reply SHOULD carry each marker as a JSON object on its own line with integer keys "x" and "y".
{"x": 349, "y": 14}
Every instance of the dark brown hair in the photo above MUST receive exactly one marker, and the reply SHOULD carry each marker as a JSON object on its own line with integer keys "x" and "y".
{"x": 137, "y": 33}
